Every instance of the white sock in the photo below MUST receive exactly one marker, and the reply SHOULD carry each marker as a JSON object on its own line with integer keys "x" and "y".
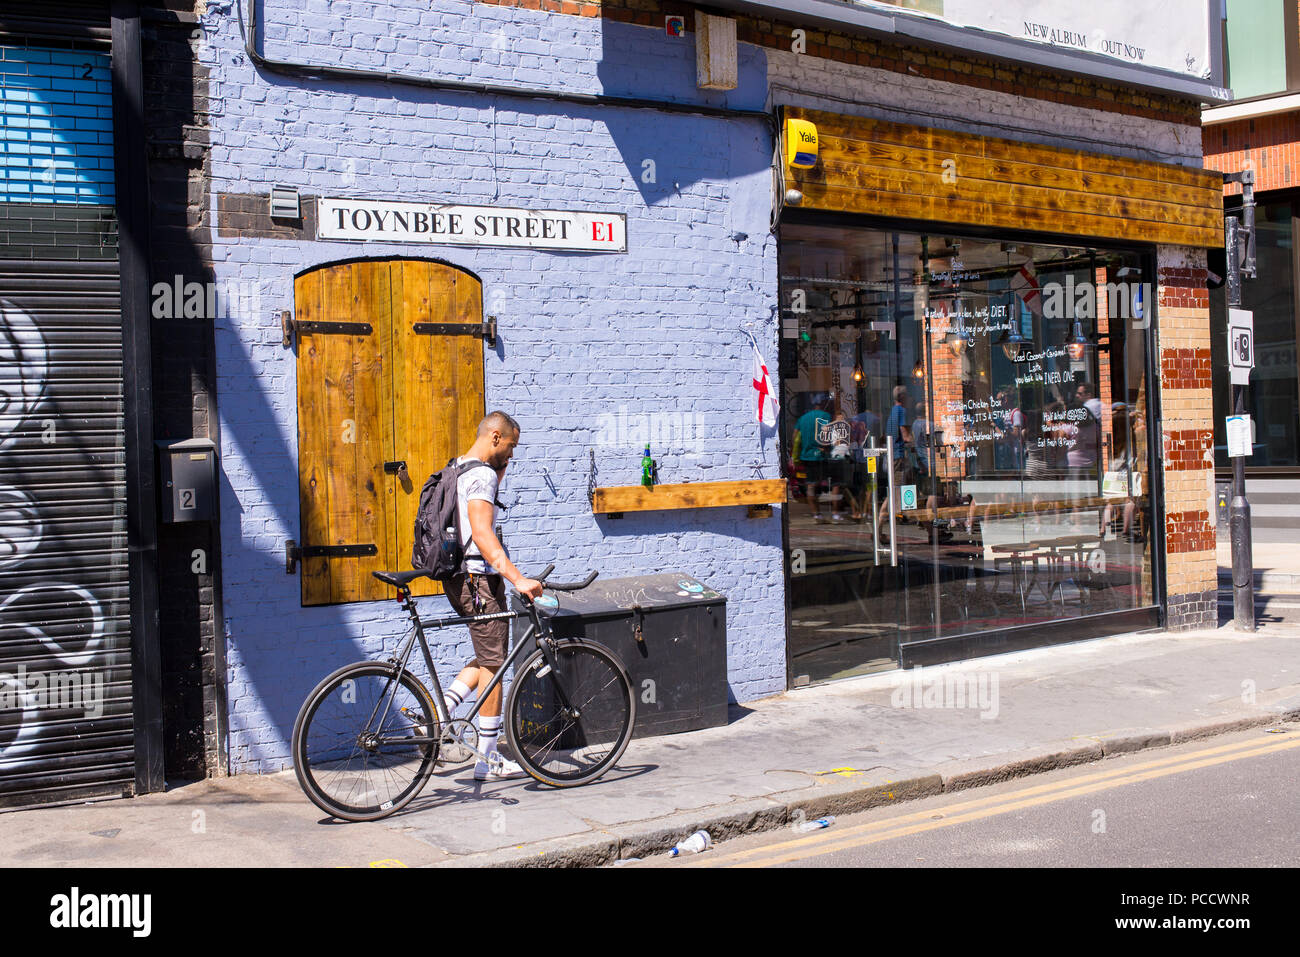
{"x": 453, "y": 697}
{"x": 489, "y": 730}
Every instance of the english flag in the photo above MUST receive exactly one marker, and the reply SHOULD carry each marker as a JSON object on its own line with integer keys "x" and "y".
{"x": 766, "y": 395}
{"x": 1025, "y": 285}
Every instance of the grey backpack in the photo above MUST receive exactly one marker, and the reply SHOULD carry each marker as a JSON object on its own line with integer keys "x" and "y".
{"x": 437, "y": 548}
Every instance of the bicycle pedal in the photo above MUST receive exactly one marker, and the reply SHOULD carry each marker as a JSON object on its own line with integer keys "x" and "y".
{"x": 420, "y": 728}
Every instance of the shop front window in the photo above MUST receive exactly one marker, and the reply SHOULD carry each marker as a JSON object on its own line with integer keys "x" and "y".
{"x": 967, "y": 434}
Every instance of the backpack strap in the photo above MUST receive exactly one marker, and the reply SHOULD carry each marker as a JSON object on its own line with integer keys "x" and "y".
{"x": 468, "y": 464}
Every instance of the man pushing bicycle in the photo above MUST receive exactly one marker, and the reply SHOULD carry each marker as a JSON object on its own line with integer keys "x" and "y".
{"x": 480, "y": 588}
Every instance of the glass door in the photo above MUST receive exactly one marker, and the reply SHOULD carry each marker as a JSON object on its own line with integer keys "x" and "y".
{"x": 964, "y": 435}
{"x": 850, "y": 393}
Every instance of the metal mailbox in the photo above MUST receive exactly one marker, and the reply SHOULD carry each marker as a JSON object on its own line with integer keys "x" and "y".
{"x": 189, "y": 480}
{"x": 670, "y": 632}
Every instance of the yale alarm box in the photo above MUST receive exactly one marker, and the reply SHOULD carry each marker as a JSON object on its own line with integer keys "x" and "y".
{"x": 800, "y": 144}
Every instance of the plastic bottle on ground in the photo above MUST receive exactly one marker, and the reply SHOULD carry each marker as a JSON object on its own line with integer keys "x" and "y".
{"x": 699, "y": 841}
{"x": 817, "y": 825}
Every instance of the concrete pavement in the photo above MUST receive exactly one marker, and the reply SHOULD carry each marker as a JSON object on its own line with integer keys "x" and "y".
{"x": 828, "y": 749}
{"x": 1277, "y": 565}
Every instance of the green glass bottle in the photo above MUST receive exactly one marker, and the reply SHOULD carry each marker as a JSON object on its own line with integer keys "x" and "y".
{"x": 647, "y": 469}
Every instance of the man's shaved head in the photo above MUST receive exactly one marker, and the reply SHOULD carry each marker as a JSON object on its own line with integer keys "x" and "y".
{"x": 499, "y": 422}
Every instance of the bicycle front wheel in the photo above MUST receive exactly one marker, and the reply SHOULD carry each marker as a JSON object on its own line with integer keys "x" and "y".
{"x": 569, "y": 723}
{"x": 365, "y": 742}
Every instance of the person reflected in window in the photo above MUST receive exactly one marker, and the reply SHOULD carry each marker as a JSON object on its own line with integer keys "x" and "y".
{"x": 1082, "y": 457}
{"x": 813, "y": 446}
{"x": 898, "y": 429}
{"x": 1121, "y": 478}
{"x": 840, "y": 467}
{"x": 923, "y": 439}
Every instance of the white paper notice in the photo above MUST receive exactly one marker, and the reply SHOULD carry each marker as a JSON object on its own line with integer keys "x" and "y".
{"x": 1238, "y": 436}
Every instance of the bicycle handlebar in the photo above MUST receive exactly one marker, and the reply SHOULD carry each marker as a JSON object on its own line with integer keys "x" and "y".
{"x": 571, "y": 586}
{"x": 560, "y": 586}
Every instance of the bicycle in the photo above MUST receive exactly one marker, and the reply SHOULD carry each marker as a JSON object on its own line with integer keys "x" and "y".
{"x": 369, "y": 736}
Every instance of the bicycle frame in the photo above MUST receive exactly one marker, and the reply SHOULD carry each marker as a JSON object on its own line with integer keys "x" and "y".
{"x": 536, "y": 632}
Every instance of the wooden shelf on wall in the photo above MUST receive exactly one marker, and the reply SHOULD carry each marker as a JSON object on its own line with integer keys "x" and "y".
{"x": 638, "y": 498}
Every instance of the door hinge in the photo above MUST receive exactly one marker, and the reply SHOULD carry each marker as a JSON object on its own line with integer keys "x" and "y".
{"x": 487, "y": 329}
{"x": 295, "y": 553}
{"x": 293, "y": 329}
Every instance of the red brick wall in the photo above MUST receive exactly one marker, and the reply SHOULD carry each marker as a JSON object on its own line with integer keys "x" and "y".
{"x": 1185, "y": 369}
{"x": 1187, "y": 532}
{"x": 1187, "y": 441}
{"x": 1187, "y": 448}
{"x": 1268, "y": 144}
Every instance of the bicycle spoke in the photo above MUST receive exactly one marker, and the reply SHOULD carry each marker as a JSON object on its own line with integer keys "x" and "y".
{"x": 561, "y": 747}
{"x": 353, "y": 766}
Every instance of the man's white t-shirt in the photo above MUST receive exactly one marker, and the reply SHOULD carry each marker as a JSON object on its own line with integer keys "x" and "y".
{"x": 476, "y": 484}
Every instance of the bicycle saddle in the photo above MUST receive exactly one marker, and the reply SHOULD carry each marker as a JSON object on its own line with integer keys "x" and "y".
{"x": 400, "y": 579}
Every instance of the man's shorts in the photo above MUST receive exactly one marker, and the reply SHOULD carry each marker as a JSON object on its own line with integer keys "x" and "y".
{"x": 815, "y": 469}
{"x": 489, "y": 637}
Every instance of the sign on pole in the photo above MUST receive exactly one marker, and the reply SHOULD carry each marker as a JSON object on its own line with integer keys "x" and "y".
{"x": 1241, "y": 345}
{"x": 1239, "y": 436}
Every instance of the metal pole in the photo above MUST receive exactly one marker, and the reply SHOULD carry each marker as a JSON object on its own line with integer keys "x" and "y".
{"x": 1243, "y": 571}
{"x": 1236, "y": 237}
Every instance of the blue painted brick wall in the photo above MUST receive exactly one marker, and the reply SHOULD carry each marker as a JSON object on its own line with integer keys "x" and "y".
{"x": 56, "y": 126}
{"x": 655, "y": 332}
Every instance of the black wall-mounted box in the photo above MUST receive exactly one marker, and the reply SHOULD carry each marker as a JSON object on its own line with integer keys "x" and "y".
{"x": 188, "y": 485}
{"x": 678, "y": 664}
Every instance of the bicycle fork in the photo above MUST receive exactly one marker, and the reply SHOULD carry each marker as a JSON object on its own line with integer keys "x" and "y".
{"x": 547, "y": 645}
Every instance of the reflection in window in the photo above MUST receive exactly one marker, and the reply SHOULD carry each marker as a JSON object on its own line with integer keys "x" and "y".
{"x": 991, "y": 470}
{"x": 1272, "y": 397}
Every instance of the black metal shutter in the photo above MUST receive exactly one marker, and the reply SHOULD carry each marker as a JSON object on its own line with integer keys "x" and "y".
{"x": 65, "y": 641}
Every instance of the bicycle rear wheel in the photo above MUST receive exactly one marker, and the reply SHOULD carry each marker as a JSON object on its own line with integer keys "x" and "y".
{"x": 564, "y": 746}
{"x": 364, "y": 744}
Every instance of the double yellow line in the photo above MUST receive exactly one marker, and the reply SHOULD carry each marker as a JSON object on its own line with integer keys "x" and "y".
{"x": 832, "y": 840}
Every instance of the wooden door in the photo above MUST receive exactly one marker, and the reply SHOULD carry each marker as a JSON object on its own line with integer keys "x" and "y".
{"x": 390, "y": 370}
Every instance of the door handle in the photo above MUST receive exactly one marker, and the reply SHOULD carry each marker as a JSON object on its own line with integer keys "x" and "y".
{"x": 893, "y": 528}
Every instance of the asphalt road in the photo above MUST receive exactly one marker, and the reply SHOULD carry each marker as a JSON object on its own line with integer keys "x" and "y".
{"x": 1225, "y": 802}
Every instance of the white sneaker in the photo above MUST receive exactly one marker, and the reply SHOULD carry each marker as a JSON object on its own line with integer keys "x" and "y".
{"x": 504, "y": 770}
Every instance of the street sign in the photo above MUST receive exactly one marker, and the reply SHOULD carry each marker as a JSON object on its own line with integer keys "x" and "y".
{"x": 1239, "y": 436}
{"x": 1241, "y": 345}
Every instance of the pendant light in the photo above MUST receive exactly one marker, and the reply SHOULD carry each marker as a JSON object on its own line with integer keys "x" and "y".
{"x": 1077, "y": 345}
{"x": 1013, "y": 341}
